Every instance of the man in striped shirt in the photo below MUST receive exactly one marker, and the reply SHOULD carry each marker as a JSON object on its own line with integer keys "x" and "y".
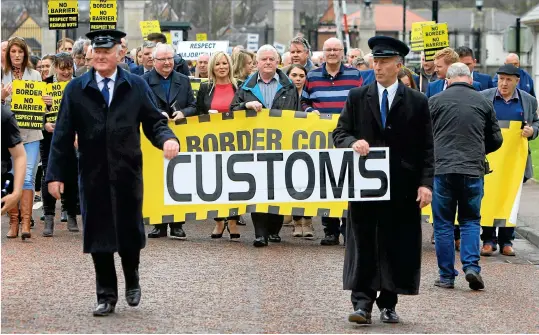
{"x": 325, "y": 91}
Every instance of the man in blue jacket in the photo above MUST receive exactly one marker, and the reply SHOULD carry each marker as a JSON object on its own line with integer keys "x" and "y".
{"x": 526, "y": 82}
{"x": 442, "y": 60}
{"x": 466, "y": 56}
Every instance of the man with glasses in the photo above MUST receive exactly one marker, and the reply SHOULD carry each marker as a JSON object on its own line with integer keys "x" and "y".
{"x": 175, "y": 99}
{"x": 326, "y": 90}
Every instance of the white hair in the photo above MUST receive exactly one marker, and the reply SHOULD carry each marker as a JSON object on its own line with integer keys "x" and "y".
{"x": 367, "y": 57}
{"x": 162, "y": 47}
{"x": 458, "y": 69}
{"x": 361, "y": 53}
{"x": 264, "y": 48}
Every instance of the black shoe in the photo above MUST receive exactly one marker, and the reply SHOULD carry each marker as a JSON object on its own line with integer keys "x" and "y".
{"x": 241, "y": 222}
{"x": 275, "y": 238}
{"x": 474, "y": 280}
{"x": 63, "y": 216}
{"x": 260, "y": 242}
{"x": 177, "y": 232}
{"x": 221, "y": 233}
{"x": 388, "y": 315}
{"x": 158, "y": 231}
{"x": 330, "y": 240}
{"x": 104, "y": 309}
{"x": 132, "y": 288}
{"x": 32, "y": 222}
{"x": 361, "y": 317}
{"x": 72, "y": 224}
{"x": 49, "y": 226}
{"x": 37, "y": 198}
{"x": 443, "y": 284}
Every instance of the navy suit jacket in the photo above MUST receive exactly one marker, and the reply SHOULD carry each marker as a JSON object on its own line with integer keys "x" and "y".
{"x": 438, "y": 86}
{"x": 483, "y": 79}
{"x": 139, "y": 70}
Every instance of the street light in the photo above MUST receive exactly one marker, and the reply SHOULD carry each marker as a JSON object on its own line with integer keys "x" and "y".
{"x": 479, "y": 4}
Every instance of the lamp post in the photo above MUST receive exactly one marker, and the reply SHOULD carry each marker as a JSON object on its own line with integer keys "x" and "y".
{"x": 435, "y": 11}
{"x": 481, "y": 36}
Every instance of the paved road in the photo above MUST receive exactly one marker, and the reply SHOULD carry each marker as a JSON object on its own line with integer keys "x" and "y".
{"x": 209, "y": 286}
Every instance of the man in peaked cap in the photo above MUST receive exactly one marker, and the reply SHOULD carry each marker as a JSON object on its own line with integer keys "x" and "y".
{"x": 383, "y": 238}
{"x": 105, "y": 107}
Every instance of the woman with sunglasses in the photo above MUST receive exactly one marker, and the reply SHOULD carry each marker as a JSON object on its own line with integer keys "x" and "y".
{"x": 18, "y": 67}
{"x": 61, "y": 71}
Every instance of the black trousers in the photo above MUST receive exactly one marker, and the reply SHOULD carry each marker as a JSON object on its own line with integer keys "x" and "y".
{"x": 235, "y": 217}
{"x": 297, "y": 218}
{"x": 106, "y": 283}
{"x": 267, "y": 224}
{"x": 365, "y": 299}
{"x": 504, "y": 237}
{"x": 332, "y": 226}
{"x": 70, "y": 197}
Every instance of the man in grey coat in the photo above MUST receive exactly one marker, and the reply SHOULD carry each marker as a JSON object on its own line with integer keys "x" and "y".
{"x": 510, "y": 104}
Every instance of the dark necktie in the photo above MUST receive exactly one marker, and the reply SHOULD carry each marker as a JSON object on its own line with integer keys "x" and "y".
{"x": 105, "y": 90}
{"x": 385, "y": 108}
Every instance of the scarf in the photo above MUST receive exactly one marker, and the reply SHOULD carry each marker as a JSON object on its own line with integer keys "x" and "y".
{"x": 17, "y": 73}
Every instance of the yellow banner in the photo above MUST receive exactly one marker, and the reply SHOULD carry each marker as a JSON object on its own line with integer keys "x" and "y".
{"x": 503, "y": 186}
{"x": 56, "y": 91}
{"x": 416, "y": 38}
{"x": 435, "y": 37}
{"x": 148, "y": 27}
{"x": 27, "y": 103}
{"x": 63, "y": 14}
{"x": 103, "y": 14}
{"x": 289, "y": 130}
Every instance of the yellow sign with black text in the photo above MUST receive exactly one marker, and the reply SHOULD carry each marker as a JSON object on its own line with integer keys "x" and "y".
{"x": 195, "y": 84}
{"x": 63, "y": 14}
{"x": 148, "y": 27}
{"x": 416, "y": 38}
{"x": 56, "y": 91}
{"x": 202, "y": 37}
{"x": 103, "y": 14}
{"x": 27, "y": 103}
{"x": 248, "y": 131}
{"x": 435, "y": 37}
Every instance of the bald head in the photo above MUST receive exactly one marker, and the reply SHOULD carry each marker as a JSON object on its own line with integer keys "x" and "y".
{"x": 512, "y": 59}
{"x": 333, "y": 52}
{"x": 332, "y": 42}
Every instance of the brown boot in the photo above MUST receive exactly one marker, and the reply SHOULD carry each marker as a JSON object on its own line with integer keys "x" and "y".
{"x": 298, "y": 231}
{"x": 487, "y": 250}
{"x": 308, "y": 231}
{"x": 27, "y": 201}
{"x": 13, "y": 222}
{"x": 508, "y": 251}
{"x": 457, "y": 245}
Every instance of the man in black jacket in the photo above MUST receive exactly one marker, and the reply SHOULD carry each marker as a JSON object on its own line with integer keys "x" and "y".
{"x": 268, "y": 88}
{"x": 383, "y": 238}
{"x": 465, "y": 130}
{"x": 180, "y": 65}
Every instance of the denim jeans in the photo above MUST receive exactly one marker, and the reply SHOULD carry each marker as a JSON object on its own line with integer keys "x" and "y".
{"x": 466, "y": 192}
{"x": 32, "y": 160}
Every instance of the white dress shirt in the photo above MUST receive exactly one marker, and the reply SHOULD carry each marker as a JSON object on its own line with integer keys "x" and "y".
{"x": 391, "y": 91}
{"x": 100, "y": 83}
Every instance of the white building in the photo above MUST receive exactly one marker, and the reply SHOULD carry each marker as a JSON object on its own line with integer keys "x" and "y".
{"x": 531, "y": 19}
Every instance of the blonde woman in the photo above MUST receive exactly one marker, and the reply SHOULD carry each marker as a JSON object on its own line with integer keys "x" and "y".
{"x": 17, "y": 67}
{"x": 215, "y": 96}
{"x": 243, "y": 64}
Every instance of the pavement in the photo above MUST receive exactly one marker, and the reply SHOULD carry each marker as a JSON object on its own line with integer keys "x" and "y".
{"x": 200, "y": 285}
{"x": 528, "y": 215}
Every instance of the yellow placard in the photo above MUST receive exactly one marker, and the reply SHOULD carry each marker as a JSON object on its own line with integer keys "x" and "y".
{"x": 169, "y": 38}
{"x": 435, "y": 37}
{"x": 148, "y": 27}
{"x": 502, "y": 187}
{"x": 202, "y": 37}
{"x": 103, "y": 14}
{"x": 63, "y": 14}
{"x": 416, "y": 38}
{"x": 27, "y": 103}
{"x": 56, "y": 91}
{"x": 248, "y": 131}
{"x": 195, "y": 84}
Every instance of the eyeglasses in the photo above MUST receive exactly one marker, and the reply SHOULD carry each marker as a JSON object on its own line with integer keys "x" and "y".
{"x": 169, "y": 59}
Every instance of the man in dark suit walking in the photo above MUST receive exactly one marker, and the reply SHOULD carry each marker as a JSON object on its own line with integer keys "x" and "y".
{"x": 466, "y": 57}
{"x": 175, "y": 100}
{"x": 383, "y": 238}
{"x": 106, "y": 107}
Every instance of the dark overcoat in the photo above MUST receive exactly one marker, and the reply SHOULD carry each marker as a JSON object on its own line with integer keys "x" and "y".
{"x": 110, "y": 157}
{"x": 383, "y": 238}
